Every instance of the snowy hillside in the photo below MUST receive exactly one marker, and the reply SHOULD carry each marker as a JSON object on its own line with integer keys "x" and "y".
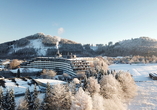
{"x": 143, "y": 46}
{"x": 45, "y": 45}
{"x": 147, "y": 88}
{"x": 139, "y": 42}
{"x": 19, "y": 85}
{"x": 38, "y": 45}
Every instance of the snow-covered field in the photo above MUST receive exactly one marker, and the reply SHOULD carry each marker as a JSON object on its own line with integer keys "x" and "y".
{"x": 147, "y": 88}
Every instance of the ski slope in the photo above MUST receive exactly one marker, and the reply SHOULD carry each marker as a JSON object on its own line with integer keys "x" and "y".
{"x": 147, "y": 88}
{"x": 37, "y": 45}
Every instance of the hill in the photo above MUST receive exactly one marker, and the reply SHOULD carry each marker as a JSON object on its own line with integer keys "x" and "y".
{"x": 143, "y": 46}
{"x": 39, "y": 45}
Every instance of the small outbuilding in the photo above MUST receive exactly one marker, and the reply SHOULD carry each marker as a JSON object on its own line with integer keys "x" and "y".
{"x": 153, "y": 76}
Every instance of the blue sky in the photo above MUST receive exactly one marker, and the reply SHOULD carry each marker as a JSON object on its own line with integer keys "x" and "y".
{"x": 83, "y": 21}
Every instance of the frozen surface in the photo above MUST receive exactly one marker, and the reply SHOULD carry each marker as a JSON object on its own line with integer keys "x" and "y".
{"x": 147, "y": 88}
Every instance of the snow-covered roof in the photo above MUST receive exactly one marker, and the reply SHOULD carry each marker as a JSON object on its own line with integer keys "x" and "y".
{"x": 51, "y": 81}
{"x": 4, "y": 62}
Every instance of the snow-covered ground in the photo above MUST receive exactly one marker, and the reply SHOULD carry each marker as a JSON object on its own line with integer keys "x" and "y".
{"x": 41, "y": 95}
{"x": 18, "y": 85}
{"x": 140, "y": 72}
{"x": 147, "y": 88}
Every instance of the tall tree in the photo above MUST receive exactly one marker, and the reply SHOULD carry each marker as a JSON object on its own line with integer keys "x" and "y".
{"x": 27, "y": 98}
{"x": 35, "y": 101}
{"x": 14, "y": 64}
{"x": 6, "y": 101}
{"x": 11, "y": 100}
{"x": 18, "y": 73}
{"x": 27, "y": 101}
{"x": 46, "y": 104}
{"x": 61, "y": 97}
{"x": 1, "y": 99}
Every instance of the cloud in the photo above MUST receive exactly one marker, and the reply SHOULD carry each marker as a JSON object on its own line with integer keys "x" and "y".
{"x": 60, "y": 31}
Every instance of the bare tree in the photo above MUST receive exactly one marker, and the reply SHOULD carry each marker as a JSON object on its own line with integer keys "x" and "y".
{"x": 23, "y": 105}
{"x": 14, "y": 63}
{"x": 61, "y": 97}
{"x": 128, "y": 85}
{"x": 81, "y": 101}
{"x": 92, "y": 86}
{"x": 98, "y": 102}
{"x": 73, "y": 85}
{"x": 114, "y": 104}
{"x": 48, "y": 73}
{"x": 110, "y": 87}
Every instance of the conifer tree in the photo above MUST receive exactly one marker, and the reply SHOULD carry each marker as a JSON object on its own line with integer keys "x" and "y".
{"x": 11, "y": 100}
{"x": 27, "y": 98}
{"x": 6, "y": 100}
{"x": 35, "y": 101}
{"x": 23, "y": 105}
{"x": 26, "y": 103}
{"x": 46, "y": 104}
{"x": 1, "y": 99}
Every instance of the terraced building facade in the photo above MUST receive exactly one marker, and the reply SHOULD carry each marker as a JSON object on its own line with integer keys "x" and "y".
{"x": 60, "y": 65}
